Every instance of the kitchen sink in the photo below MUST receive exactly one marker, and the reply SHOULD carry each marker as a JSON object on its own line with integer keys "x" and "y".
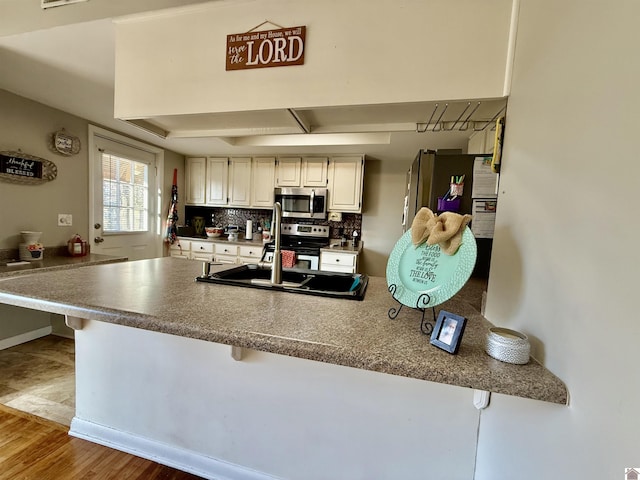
{"x": 351, "y": 286}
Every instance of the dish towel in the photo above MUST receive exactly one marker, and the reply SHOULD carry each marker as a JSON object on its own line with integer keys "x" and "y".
{"x": 445, "y": 229}
{"x": 288, "y": 258}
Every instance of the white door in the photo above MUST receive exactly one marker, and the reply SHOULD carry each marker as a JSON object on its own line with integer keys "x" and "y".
{"x": 125, "y": 199}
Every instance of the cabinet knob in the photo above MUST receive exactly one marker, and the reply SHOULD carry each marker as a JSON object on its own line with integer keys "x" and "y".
{"x": 337, "y": 260}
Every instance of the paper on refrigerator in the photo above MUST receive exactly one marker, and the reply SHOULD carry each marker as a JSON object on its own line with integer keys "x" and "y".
{"x": 485, "y": 182}
{"x": 484, "y": 217}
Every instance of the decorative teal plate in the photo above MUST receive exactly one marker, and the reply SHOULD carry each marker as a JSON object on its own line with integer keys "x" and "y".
{"x": 425, "y": 276}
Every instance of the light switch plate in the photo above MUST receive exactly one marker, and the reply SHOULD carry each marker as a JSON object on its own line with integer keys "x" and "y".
{"x": 65, "y": 220}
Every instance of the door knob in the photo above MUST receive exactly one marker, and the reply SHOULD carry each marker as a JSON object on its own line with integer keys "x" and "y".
{"x": 96, "y": 226}
{"x": 98, "y": 240}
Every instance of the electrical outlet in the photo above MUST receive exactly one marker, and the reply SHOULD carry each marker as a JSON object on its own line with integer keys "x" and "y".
{"x": 335, "y": 216}
{"x": 65, "y": 219}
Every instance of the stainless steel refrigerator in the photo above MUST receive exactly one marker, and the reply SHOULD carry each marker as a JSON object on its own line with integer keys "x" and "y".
{"x": 429, "y": 178}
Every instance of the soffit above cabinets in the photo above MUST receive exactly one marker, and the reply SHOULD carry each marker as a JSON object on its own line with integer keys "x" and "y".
{"x": 421, "y": 117}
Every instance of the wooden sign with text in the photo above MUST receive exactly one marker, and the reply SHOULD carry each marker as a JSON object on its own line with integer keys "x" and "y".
{"x": 267, "y": 48}
{"x": 20, "y": 166}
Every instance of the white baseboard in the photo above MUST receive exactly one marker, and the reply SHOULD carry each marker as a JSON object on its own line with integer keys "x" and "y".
{"x": 24, "y": 337}
{"x": 185, "y": 460}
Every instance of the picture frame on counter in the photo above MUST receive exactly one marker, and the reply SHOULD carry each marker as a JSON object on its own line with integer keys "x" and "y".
{"x": 447, "y": 334}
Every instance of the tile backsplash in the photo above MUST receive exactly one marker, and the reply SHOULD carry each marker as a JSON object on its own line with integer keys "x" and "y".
{"x": 238, "y": 216}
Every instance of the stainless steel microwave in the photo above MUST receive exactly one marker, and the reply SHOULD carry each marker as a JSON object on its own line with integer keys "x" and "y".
{"x": 302, "y": 202}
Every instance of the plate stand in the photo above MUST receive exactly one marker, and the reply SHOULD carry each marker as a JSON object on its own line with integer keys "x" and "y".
{"x": 426, "y": 326}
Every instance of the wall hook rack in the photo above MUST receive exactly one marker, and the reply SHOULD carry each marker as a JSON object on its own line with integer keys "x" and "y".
{"x": 463, "y": 122}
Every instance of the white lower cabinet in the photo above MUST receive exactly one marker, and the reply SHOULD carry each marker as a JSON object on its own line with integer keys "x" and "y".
{"x": 222, "y": 252}
{"x": 249, "y": 254}
{"x": 202, "y": 251}
{"x": 226, "y": 253}
{"x": 181, "y": 249}
{"x": 345, "y": 262}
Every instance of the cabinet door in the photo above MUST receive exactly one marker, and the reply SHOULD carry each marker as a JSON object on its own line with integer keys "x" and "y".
{"x": 288, "y": 174}
{"x": 338, "y": 262}
{"x": 263, "y": 182}
{"x": 217, "y": 177}
{"x": 195, "y": 180}
{"x": 249, "y": 254}
{"x": 240, "y": 182}
{"x": 181, "y": 249}
{"x": 345, "y": 184}
{"x": 314, "y": 171}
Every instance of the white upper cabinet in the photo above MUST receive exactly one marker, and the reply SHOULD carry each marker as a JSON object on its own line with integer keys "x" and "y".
{"x": 240, "y": 182}
{"x": 302, "y": 172}
{"x": 249, "y": 182}
{"x": 482, "y": 141}
{"x": 195, "y": 180}
{"x": 216, "y": 180}
{"x": 288, "y": 172}
{"x": 263, "y": 178}
{"x": 345, "y": 183}
{"x": 314, "y": 171}
{"x": 206, "y": 180}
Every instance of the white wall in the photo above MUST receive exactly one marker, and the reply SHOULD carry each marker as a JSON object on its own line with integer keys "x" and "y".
{"x": 19, "y": 325}
{"x": 287, "y": 417}
{"x": 565, "y": 264}
{"x": 36, "y": 207}
{"x": 356, "y": 52}
{"x": 20, "y": 16}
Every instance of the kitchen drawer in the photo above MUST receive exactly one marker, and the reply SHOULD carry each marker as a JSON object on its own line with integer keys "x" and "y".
{"x": 342, "y": 259}
{"x": 226, "y": 259}
{"x": 226, "y": 249}
{"x": 180, "y": 245}
{"x": 337, "y": 268}
{"x": 203, "y": 257}
{"x": 201, "y": 247}
{"x": 250, "y": 251}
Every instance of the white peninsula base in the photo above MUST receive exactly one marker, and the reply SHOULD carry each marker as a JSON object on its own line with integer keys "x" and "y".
{"x": 188, "y": 404}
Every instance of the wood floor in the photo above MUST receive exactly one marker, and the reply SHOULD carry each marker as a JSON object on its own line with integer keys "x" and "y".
{"x": 33, "y": 448}
{"x": 38, "y": 381}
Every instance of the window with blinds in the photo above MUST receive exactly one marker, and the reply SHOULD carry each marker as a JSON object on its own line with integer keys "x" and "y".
{"x": 125, "y": 191}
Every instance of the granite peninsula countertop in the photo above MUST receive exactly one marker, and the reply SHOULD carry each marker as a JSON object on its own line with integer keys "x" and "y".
{"x": 161, "y": 295}
{"x": 56, "y": 262}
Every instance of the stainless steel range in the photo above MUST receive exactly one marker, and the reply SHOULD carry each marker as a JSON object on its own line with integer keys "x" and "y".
{"x": 303, "y": 239}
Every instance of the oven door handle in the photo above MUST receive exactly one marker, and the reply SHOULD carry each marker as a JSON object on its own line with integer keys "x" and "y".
{"x": 312, "y": 201}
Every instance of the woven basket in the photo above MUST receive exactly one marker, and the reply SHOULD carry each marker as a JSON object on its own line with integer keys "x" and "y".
{"x": 508, "y": 345}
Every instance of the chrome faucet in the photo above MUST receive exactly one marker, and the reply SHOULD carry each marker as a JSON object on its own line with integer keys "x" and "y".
{"x": 276, "y": 227}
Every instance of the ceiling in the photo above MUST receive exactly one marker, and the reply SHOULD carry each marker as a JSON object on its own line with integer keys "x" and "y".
{"x": 53, "y": 67}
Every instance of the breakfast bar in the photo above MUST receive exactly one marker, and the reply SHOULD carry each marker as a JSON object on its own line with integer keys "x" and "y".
{"x": 156, "y": 375}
